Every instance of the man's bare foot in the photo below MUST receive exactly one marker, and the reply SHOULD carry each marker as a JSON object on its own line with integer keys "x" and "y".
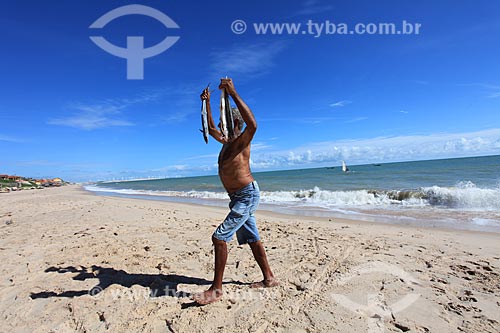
{"x": 265, "y": 283}
{"x": 208, "y": 296}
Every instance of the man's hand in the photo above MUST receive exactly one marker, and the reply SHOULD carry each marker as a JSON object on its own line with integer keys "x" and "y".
{"x": 228, "y": 85}
{"x": 205, "y": 94}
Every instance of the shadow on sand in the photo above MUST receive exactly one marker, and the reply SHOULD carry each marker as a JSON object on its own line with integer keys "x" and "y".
{"x": 158, "y": 284}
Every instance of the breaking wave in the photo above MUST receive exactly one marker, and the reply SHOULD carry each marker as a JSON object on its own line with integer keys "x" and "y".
{"x": 465, "y": 196}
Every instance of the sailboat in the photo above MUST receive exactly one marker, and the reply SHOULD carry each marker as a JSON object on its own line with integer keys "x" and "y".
{"x": 344, "y": 167}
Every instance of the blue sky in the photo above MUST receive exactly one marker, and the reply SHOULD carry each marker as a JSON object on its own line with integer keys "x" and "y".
{"x": 68, "y": 110}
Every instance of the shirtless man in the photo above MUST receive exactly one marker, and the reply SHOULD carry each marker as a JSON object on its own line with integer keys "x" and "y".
{"x": 235, "y": 175}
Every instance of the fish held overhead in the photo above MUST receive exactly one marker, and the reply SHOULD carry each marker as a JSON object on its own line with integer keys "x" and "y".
{"x": 226, "y": 116}
{"x": 204, "y": 118}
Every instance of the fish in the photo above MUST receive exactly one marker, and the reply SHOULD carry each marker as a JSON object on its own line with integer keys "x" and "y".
{"x": 204, "y": 119}
{"x": 226, "y": 115}
{"x": 223, "y": 120}
{"x": 229, "y": 116}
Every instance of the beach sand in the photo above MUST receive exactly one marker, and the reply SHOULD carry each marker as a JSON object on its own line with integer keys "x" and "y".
{"x": 73, "y": 261}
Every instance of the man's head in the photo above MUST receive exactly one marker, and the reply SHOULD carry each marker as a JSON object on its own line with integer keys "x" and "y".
{"x": 237, "y": 118}
{"x": 238, "y": 122}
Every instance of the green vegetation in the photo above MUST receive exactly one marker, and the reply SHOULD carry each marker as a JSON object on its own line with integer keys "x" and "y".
{"x": 10, "y": 183}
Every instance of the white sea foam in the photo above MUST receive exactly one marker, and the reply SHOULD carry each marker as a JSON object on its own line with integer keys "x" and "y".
{"x": 320, "y": 197}
{"x": 189, "y": 194}
{"x": 486, "y": 222}
{"x": 465, "y": 196}
{"x": 461, "y": 205}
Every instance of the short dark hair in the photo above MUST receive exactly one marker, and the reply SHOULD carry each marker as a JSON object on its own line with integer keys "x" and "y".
{"x": 237, "y": 115}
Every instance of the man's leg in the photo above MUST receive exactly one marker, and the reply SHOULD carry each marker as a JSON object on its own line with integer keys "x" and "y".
{"x": 259, "y": 253}
{"x": 214, "y": 293}
{"x": 220, "y": 250}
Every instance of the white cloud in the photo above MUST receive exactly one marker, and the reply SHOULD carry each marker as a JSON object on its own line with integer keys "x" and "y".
{"x": 36, "y": 163}
{"x": 259, "y": 146}
{"x": 92, "y": 117}
{"x": 200, "y": 157}
{"x": 355, "y": 120}
{"x": 8, "y": 138}
{"x": 176, "y": 117}
{"x": 353, "y": 151}
{"x": 492, "y": 90}
{"x": 421, "y": 82}
{"x": 340, "y": 103}
{"x": 249, "y": 60}
{"x": 311, "y": 7}
{"x": 104, "y": 113}
{"x": 300, "y": 120}
{"x": 175, "y": 167}
{"x": 180, "y": 102}
{"x": 482, "y": 85}
{"x": 382, "y": 149}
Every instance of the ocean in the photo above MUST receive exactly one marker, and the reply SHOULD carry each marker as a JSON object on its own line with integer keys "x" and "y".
{"x": 459, "y": 193}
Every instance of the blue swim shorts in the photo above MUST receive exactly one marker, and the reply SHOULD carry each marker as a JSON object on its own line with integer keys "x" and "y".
{"x": 241, "y": 218}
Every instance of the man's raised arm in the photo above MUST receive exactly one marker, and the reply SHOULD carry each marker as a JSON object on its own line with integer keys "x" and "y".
{"x": 246, "y": 113}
